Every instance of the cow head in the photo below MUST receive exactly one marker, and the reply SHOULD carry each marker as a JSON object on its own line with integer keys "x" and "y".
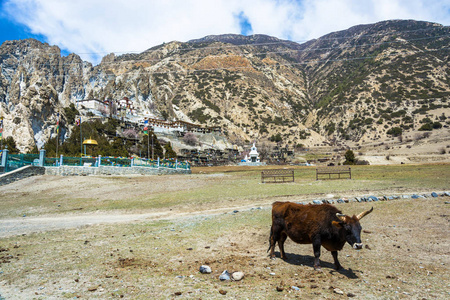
{"x": 352, "y": 228}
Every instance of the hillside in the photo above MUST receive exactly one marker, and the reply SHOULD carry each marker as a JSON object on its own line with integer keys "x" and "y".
{"x": 370, "y": 84}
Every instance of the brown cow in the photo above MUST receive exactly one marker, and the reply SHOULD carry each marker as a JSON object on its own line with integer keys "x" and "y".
{"x": 320, "y": 225}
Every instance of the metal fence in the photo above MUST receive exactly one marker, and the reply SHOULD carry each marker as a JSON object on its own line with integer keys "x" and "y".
{"x": 15, "y": 161}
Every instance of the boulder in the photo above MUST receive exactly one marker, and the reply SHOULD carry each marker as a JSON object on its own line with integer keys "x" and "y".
{"x": 205, "y": 269}
{"x": 236, "y": 276}
{"x": 224, "y": 276}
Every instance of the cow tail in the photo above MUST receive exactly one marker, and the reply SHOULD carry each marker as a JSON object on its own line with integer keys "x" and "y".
{"x": 270, "y": 238}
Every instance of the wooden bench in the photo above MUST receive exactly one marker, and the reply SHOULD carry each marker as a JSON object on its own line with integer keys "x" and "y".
{"x": 280, "y": 175}
{"x": 333, "y": 170}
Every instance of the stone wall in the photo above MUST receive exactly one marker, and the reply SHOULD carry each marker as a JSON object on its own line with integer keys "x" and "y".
{"x": 21, "y": 173}
{"x": 109, "y": 170}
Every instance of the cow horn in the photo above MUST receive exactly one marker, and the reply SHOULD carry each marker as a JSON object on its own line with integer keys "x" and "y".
{"x": 341, "y": 217}
{"x": 361, "y": 215}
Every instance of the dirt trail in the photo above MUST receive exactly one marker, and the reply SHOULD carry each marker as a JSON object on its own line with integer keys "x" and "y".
{"x": 27, "y": 225}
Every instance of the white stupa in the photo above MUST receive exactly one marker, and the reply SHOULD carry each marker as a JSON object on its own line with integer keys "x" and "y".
{"x": 254, "y": 155}
{"x": 252, "y": 159}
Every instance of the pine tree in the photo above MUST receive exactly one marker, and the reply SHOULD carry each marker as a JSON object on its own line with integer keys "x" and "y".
{"x": 349, "y": 157}
{"x": 11, "y": 144}
{"x": 169, "y": 152}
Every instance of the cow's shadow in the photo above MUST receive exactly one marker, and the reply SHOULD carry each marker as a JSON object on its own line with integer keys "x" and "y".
{"x": 308, "y": 260}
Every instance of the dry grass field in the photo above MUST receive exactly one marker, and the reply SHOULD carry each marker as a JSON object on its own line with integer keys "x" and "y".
{"x": 146, "y": 237}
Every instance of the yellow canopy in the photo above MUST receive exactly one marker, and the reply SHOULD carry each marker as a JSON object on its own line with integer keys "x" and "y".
{"x": 90, "y": 142}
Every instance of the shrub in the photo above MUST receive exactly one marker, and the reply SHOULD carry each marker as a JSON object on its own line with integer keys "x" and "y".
{"x": 437, "y": 125}
{"x": 426, "y": 127}
{"x": 395, "y": 131}
{"x": 349, "y": 157}
{"x": 276, "y": 138}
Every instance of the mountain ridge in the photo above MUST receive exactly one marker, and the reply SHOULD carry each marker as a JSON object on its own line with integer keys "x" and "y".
{"x": 347, "y": 87}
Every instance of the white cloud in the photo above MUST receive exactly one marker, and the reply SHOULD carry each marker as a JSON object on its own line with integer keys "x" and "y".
{"x": 93, "y": 28}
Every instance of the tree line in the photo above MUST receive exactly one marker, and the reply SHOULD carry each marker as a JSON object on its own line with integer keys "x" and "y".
{"x": 109, "y": 143}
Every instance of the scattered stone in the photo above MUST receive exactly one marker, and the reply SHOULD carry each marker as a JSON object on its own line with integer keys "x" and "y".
{"x": 447, "y": 202}
{"x": 447, "y": 194}
{"x": 236, "y": 276}
{"x": 224, "y": 276}
{"x": 273, "y": 274}
{"x": 350, "y": 295}
{"x": 405, "y": 196}
{"x": 205, "y": 269}
{"x": 433, "y": 194}
{"x": 415, "y": 196}
{"x": 373, "y": 198}
{"x": 235, "y": 211}
{"x": 317, "y": 202}
{"x": 93, "y": 289}
{"x": 338, "y": 291}
{"x": 340, "y": 201}
{"x": 223, "y": 292}
{"x": 295, "y": 288}
{"x": 178, "y": 293}
{"x": 368, "y": 248}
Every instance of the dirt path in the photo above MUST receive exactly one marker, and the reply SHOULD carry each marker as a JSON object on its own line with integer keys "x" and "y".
{"x": 27, "y": 225}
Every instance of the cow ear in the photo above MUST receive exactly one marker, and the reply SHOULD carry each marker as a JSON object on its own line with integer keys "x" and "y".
{"x": 337, "y": 224}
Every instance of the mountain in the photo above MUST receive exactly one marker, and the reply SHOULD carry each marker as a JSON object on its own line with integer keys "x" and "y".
{"x": 367, "y": 84}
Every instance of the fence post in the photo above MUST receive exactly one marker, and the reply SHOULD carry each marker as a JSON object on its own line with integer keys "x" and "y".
{"x": 99, "y": 161}
{"x": 176, "y": 164}
{"x": 61, "y": 160}
{"x": 158, "y": 162}
{"x": 132, "y": 162}
{"x": 42, "y": 158}
{"x": 5, "y": 158}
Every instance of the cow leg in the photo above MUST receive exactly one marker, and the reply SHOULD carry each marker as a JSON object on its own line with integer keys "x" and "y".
{"x": 336, "y": 261}
{"x": 316, "y": 247}
{"x": 274, "y": 238}
{"x": 283, "y": 237}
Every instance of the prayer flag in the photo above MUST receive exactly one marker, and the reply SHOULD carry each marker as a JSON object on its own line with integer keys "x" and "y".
{"x": 1, "y": 127}
{"x": 146, "y": 127}
{"x": 57, "y": 123}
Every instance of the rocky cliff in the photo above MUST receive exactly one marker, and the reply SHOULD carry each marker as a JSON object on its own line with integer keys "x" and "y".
{"x": 352, "y": 86}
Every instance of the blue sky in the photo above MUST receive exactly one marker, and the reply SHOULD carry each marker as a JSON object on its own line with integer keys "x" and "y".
{"x": 94, "y": 28}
